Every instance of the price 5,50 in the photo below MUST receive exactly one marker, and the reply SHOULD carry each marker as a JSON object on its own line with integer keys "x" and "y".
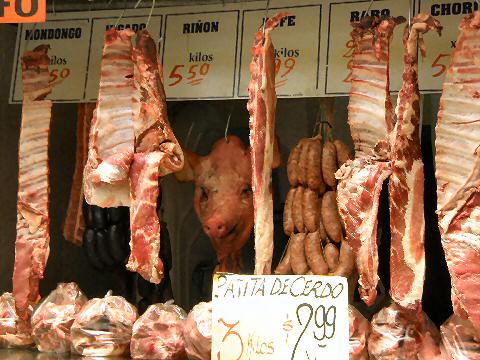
{"x": 194, "y": 76}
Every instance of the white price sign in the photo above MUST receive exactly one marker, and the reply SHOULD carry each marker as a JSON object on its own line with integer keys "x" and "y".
{"x": 69, "y": 48}
{"x": 340, "y": 45}
{"x": 199, "y": 55}
{"x": 450, "y": 13}
{"x": 280, "y": 317}
{"x": 297, "y": 49}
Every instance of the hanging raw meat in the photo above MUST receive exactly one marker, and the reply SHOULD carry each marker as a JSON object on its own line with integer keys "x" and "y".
{"x": 407, "y": 222}
{"x": 261, "y": 107}
{"x": 32, "y": 243}
{"x": 458, "y": 170}
{"x": 74, "y": 222}
{"x": 111, "y": 144}
{"x": 460, "y": 339}
{"x": 370, "y": 115}
{"x": 157, "y": 153}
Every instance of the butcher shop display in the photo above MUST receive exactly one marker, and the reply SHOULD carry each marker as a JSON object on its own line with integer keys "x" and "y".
{"x": 158, "y": 333}
{"x": 104, "y": 327}
{"x": 198, "y": 332}
{"x": 457, "y": 161}
{"x": 54, "y": 316}
{"x": 355, "y": 197}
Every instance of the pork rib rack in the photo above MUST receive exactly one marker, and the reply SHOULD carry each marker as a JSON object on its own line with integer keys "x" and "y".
{"x": 157, "y": 153}
{"x": 406, "y": 183}
{"x": 111, "y": 143}
{"x": 458, "y": 170}
{"x": 370, "y": 116}
{"x": 261, "y": 107}
{"x": 32, "y": 243}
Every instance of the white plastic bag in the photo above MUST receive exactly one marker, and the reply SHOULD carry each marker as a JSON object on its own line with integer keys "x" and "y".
{"x": 198, "y": 332}
{"x": 11, "y": 333}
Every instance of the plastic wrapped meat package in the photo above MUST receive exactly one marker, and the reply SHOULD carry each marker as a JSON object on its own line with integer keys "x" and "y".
{"x": 9, "y": 324}
{"x": 198, "y": 332}
{"x": 400, "y": 334}
{"x": 359, "y": 332}
{"x": 104, "y": 327}
{"x": 158, "y": 333}
{"x": 459, "y": 339}
{"x": 54, "y": 316}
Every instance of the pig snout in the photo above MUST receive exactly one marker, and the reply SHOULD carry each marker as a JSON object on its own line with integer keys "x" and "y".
{"x": 217, "y": 227}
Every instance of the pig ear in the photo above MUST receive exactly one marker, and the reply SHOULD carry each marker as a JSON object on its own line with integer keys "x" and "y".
{"x": 277, "y": 155}
{"x": 191, "y": 161}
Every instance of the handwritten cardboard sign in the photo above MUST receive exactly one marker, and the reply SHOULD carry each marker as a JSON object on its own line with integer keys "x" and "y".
{"x": 279, "y": 317}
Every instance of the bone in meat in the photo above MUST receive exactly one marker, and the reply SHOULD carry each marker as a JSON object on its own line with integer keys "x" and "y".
{"x": 407, "y": 222}
{"x": 458, "y": 170}
{"x": 74, "y": 222}
{"x": 157, "y": 153}
{"x": 111, "y": 136}
{"x": 370, "y": 118}
{"x": 261, "y": 107}
{"x": 32, "y": 242}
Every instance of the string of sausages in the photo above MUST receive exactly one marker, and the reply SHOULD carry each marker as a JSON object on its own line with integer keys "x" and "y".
{"x": 311, "y": 218}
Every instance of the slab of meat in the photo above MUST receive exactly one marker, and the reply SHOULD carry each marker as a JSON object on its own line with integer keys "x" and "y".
{"x": 104, "y": 327}
{"x": 33, "y": 237}
{"x": 458, "y": 170}
{"x": 158, "y": 333}
{"x": 407, "y": 222}
{"x": 261, "y": 107}
{"x": 370, "y": 115}
{"x": 403, "y": 334}
{"x": 359, "y": 332}
{"x": 157, "y": 153}
{"x": 111, "y": 144}
{"x": 74, "y": 222}
{"x": 52, "y": 319}
{"x": 460, "y": 339}
{"x": 198, "y": 332}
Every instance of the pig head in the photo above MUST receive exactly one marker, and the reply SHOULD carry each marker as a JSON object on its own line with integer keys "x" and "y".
{"x": 223, "y": 197}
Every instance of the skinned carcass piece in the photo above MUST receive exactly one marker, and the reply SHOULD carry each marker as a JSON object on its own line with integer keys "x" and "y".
{"x": 398, "y": 333}
{"x": 459, "y": 339}
{"x": 406, "y": 183}
{"x": 104, "y": 327}
{"x": 33, "y": 221}
{"x": 54, "y": 316}
{"x": 261, "y": 107}
{"x": 10, "y": 323}
{"x": 158, "y": 333}
{"x": 157, "y": 153}
{"x": 370, "y": 114}
{"x": 111, "y": 144}
{"x": 198, "y": 332}
{"x": 458, "y": 171}
{"x": 359, "y": 332}
{"x": 74, "y": 222}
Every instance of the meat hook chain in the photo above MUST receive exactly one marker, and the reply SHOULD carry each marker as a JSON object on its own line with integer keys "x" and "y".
{"x": 266, "y": 17}
{"x": 369, "y": 6}
{"x": 409, "y": 13}
{"x": 151, "y": 10}
{"x": 123, "y": 13}
{"x": 228, "y": 121}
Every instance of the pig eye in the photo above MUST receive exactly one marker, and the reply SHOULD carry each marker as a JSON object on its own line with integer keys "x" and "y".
{"x": 204, "y": 195}
{"x": 247, "y": 191}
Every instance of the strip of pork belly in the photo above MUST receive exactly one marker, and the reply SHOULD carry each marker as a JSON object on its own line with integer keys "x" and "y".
{"x": 157, "y": 153}
{"x": 406, "y": 184}
{"x": 74, "y": 222}
{"x": 111, "y": 143}
{"x": 370, "y": 115}
{"x": 32, "y": 241}
{"x": 261, "y": 107}
{"x": 458, "y": 170}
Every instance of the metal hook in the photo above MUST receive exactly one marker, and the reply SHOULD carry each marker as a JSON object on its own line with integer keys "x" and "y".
{"x": 266, "y": 17}
{"x": 189, "y": 133}
{"x": 53, "y": 8}
{"x": 228, "y": 121}
{"x": 151, "y": 12}
{"x": 369, "y": 6}
{"x": 138, "y": 3}
{"x": 123, "y": 13}
{"x": 409, "y": 13}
